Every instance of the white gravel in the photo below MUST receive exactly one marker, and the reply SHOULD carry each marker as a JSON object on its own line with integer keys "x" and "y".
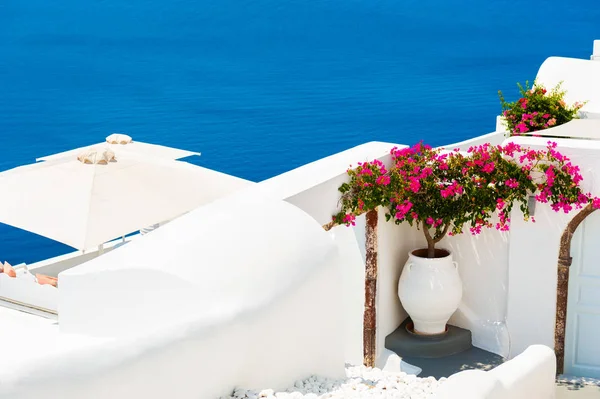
{"x": 580, "y": 381}
{"x": 360, "y": 382}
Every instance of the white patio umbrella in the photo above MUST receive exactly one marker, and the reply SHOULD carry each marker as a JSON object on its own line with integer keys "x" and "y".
{"x": 85, "y": 205}
{"x": 125, "y": 145}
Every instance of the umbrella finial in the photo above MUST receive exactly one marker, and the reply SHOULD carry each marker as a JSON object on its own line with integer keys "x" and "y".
{"x": 118, "y": 138}
{"x": 97, "y": 156}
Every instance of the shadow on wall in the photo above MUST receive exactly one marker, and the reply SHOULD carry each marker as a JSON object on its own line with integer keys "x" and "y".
{"x": 280, "y": 313}
{"x": 529, "y": 375}
{"x": 483, "y": 268}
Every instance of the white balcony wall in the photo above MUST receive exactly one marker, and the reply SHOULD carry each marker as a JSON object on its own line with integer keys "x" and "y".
{"x": 580, "y": 79}
{"x": 530, "y": 375}
{"x": 534, "y": 253}
{"x": 483, "y": 260}
{"x": 217, "y": 299}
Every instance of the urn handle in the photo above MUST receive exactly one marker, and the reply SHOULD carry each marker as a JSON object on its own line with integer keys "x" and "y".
{"x": 455, "y": 263}
{"x": 409, "y": 266}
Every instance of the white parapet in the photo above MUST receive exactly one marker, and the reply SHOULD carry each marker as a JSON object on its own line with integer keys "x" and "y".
{"x": 578, "y": 78}
{"x": 530, "y": 375}
{"x": 596, "y": 52}
{"x": 237, "y": 293}
{"x": 27, "y": 292}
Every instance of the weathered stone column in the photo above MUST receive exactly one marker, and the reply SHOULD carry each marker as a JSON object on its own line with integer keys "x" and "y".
{"x": 562, "y": 286}
{"x": 370, "y": 313}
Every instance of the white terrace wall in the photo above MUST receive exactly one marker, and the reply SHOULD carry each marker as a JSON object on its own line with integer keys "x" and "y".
{"x": 219, "y": 298}
{"x": 483, "y": 260}
{"x": 534, "y": 249}
{"x": 314, "y": 189}
{"x": 282, "y": 271}
{"x": 530, "y": 375}
{"x": 580, "y": 79}
{"x": 498, "y": 269}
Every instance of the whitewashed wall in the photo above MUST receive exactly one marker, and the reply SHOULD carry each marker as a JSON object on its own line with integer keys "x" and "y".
{"x": 579, "y": 78}
{"x": 483, "y": 268}
{"x": 533, "y": 253}
{"x": 214, "y": 300}
{"x": 483, "y": 260}
{"x": 530, "y": 375}
{"x": 173, "y": 270}
{"x": 498, "y": 269}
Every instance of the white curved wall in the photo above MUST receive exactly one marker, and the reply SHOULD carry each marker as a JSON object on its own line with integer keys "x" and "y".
{"x": 530, "y": 375}
{"x": 581, "y": 80}
{"x": 260, "y": 317}
{"x": 212, "y": 263}
{"x": 269, "y": 347}
{"x": 483, "y": 259}
{"x": 498, "y": 271}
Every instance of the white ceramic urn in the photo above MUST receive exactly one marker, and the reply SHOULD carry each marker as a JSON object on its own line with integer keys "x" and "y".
{"x": 430, "y": 290}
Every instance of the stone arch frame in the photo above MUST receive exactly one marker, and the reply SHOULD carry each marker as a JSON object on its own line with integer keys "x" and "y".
{"x": 562, "y": 288}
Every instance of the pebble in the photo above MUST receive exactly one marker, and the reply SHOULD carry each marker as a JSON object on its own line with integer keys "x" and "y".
{"x": 360, "y": 382}
{"x": 579, "y": 381}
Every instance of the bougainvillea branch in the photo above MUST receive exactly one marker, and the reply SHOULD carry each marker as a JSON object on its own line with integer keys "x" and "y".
{"x": 444, "y": 191}
{"x": 537, "y": 109}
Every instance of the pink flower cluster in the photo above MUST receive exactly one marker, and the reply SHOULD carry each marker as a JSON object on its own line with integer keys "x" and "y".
{"x": 433, "y": 222}
{"x": 444, "y": 191}
{"x": 534, "y": 121}
{"x": 403, "y": 209}
{"x": 537, "y": 110}
{"x": 350, "y": 219}
{"x": 452, "y": 190}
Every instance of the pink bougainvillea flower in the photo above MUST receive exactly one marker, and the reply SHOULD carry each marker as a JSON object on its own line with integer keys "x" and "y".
{"x": 522, "y": 128}
{"x": 500, "y": 204}
{"x": 512, "y": 183}
{"x": 415, "y": 185}
{"x": 458, "y": 191}
{"x": 489, "y": 167}
{"x": 350, "y": 219}
{"x": 383, "y": 180}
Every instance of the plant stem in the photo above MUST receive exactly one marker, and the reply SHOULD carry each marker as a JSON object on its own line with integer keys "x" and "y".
{"x": 430, "y": 242}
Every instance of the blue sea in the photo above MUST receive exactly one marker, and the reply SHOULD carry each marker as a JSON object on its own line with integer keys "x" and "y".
{"x": 262, "y": 86}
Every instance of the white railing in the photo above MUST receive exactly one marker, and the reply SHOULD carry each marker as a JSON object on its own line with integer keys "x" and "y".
{"x": 596, "y": 51}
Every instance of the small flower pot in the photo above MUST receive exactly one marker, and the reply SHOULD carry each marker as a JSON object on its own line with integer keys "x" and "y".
{"x": 430, "y": 290}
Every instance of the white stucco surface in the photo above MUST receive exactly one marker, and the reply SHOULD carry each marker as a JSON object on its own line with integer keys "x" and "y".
{"x": 28, "y": 339}
{"x": 353, "y": 283}
{"x": 187, "y": 273}
{"x": 530, "y": 375}
{"x": 250, "y": 291}
{"x": 494, "y": 138}
{"x": 533, "y": 253}
{"x": 483, "y": 267}
{"x": 483, "y": 260}
{"x": 194, "y": 306}
{"x": 394, "y": 243}
{"x": 194, "y": 265}
{"x": 580, "y": 79}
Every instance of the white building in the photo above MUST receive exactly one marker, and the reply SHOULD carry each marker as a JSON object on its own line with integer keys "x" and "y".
{"x": 250, "y": 290}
